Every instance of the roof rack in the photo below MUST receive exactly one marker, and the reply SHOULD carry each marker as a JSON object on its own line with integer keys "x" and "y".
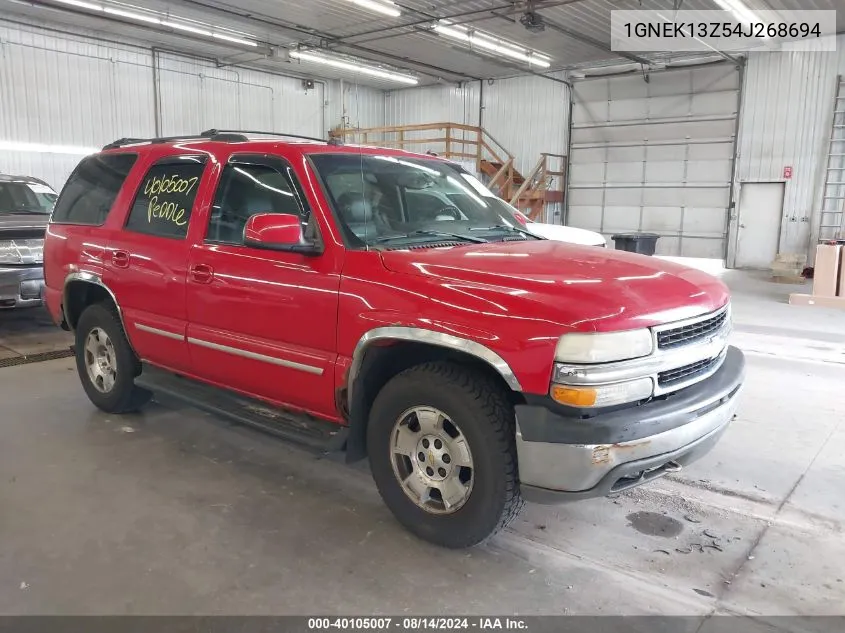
{"x": 331, "y": 141}
{"x": 225, "y": 136}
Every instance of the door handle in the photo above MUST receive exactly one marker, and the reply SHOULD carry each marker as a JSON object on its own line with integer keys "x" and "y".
{"x": 120, "y": 259}
{"x": 202, "y": 273}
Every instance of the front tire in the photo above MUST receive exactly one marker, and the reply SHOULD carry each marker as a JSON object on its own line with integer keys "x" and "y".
{"x": 442, "y": 452}
{"x": 106, "y": 364}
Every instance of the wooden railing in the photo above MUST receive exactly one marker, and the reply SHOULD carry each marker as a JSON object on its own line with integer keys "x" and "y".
{"x": 541, "y": 178}
{"x": 456, "y": 141}
{"x": 450, "y": 140}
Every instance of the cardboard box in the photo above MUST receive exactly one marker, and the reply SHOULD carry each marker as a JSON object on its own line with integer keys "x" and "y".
{"x": 826, "y": 272}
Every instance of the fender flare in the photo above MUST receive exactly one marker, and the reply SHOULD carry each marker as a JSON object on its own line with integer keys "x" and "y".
{"x": 356, "y": 440}
{"x": 95, "y": 280}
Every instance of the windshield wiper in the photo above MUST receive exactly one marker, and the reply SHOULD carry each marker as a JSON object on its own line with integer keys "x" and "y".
{"x": 505, "y": 227}
{"x": 457, "y": 236}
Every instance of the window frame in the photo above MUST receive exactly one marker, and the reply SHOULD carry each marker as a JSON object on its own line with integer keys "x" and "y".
{"x": 285, "y": 169}
{"x": 68, "y": 222}
{"x": 173, "y": 159}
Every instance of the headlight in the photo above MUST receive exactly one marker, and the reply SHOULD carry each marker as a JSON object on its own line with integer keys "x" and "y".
{"x": 603, "y": 347}
{"x": 603, "y": 395}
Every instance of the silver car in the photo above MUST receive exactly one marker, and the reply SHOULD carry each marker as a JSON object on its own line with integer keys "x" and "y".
{"x": 25, "y": 207}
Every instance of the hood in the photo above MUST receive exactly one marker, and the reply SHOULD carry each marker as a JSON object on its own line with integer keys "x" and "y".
{"x": 566, "y": 234}
{"x": 582, "y": 287}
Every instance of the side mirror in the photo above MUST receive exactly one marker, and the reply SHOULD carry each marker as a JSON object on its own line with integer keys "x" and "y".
{"x": 278, "y": 232}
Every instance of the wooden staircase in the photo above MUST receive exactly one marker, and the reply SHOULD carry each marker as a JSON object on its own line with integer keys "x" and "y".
{"x": 543, "y": 185}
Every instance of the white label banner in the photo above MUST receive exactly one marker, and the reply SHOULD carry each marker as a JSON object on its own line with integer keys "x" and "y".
{"x": 727, "y": 31}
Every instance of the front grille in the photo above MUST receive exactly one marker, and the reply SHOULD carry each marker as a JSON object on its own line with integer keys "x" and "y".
{"x": 687, "y": 372}
{"x": 692, "y": 332}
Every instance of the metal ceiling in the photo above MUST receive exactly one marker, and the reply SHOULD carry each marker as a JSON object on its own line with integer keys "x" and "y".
{"x": 576, "y": 32}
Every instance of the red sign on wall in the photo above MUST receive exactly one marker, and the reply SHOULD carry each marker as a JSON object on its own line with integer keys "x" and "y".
{"x": 787, "y": 172}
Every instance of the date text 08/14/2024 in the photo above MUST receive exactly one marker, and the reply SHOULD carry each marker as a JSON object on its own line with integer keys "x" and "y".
{"x": 416, "y": 623}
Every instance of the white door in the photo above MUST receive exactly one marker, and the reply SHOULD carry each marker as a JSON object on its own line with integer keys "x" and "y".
{"x": 656, "y": 157}
{"x": 758, "y": 231}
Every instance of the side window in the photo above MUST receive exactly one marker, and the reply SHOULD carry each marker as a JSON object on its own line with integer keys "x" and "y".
{"x": 166, "y": 197}
{"x": 245, "y": 190}
{"x": 89, "y": 193}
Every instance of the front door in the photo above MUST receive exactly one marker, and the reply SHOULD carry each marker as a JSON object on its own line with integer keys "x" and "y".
{"x": 147, "y": 261}
{"x": 263, "y": 322}
{"x": 758, "y": 231}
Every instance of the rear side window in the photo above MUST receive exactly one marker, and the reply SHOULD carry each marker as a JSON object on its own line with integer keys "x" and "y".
{"x": 90, "y": 191}
{"x": 165, "y": 199}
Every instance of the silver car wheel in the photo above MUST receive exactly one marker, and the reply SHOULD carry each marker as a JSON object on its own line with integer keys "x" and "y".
{"x": 432, "y": 460}
{"x": 100, "y": 360}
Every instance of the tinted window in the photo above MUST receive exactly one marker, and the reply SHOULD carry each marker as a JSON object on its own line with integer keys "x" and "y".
{"x": 166, "y": 197}
{"x": 26, "y": 198}
{"x": 245, "y": 190}
{"x": 90, "y": 191}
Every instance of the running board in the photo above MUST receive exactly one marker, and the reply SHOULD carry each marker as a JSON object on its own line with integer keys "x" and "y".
{"x": 307, "y": 431}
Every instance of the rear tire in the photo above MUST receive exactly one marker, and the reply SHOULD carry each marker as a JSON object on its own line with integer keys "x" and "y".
{"x": 439, "y": 431}
{"x": 106, "y": 364}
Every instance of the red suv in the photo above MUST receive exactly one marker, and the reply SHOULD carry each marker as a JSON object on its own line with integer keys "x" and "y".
{"x": 386, "y": 304}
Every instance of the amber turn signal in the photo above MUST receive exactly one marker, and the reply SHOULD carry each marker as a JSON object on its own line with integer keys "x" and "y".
{"x": 574, "y": 396}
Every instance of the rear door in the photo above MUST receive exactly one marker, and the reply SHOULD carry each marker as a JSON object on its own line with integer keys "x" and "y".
{"x": 260, "y": 321}
{"x": 146, "y": 264}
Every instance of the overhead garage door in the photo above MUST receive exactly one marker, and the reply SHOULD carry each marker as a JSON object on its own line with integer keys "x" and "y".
{"x": 656, "y": 156}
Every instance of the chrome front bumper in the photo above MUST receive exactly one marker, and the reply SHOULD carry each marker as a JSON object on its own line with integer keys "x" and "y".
{"x": 21, "y": 286}
{"x": 559, "y": 462}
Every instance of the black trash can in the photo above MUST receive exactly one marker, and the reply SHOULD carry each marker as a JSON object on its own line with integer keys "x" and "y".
{"x": 642, "y": 243}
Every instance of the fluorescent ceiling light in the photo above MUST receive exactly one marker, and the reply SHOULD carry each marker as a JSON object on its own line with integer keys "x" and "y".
{"x": 344, "y": 64}
{"x": 742, "y": 13}
{"x": 167, "y": 20}
{"x": 14, "y": 146}
{"x": 493, "y": 44}
{"x": 81, "y": 5}
{"x": 130, "y": 15}
{"x": 236, "y": 40}
{"x": 185, "y": 27}
{"x": 385, "y": 7}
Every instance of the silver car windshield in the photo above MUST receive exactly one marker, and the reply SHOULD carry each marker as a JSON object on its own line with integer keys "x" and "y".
{"x": 383, "y": 200}
{"x": 26, "y": 198}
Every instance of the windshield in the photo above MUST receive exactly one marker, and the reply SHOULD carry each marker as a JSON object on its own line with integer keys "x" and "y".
{"x": 390, "y": 201}
{"x": 26, "y": 198}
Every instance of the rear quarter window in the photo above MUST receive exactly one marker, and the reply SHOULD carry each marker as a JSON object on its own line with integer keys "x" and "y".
{"x": 89, "y": 193}
{"x": 165, "y": 198}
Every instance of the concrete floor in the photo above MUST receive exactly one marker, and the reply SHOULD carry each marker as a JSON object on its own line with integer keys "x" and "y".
{"x": 172, "y": 511}
{"x": 24, "y": 333}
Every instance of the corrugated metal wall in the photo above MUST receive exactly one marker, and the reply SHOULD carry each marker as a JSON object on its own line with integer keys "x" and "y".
{"x": 234, "y": 98}
{"x": 68, "y": 91}
{"x": 433, "y": 104}
{"x": 527, "y": 115}
{"x": 363, "y": 106}
{"x": 75, "y": 90}
{"x": 787, "y": 110}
